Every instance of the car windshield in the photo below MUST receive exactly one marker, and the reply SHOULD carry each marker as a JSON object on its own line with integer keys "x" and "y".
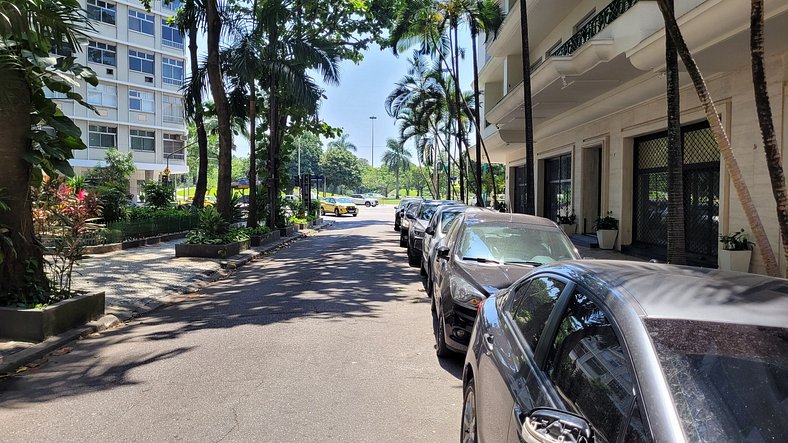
{"x": 344, "y": 200}
{"x": 426, "y": 211}
{"x": 729, "y": 382}
{"x": 446, "y": 219}
{"x": 514, "y": 243}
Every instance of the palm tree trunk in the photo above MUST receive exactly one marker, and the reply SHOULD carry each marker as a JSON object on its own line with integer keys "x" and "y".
{"x": 457, "y": 93}
{"x": 397, "y": 180}
{"x": 251, "y": 220}
{"x": 750, "y": 211}
{"x": 15, "y": 275}
{"x": 774, "y": 160}
{"x": 202, "y": 135}
{"x": 477, "y": 116}
{"x": 530, "y": 199}
{"x": 676, "y": 242}
{"x": 223, "y": 189}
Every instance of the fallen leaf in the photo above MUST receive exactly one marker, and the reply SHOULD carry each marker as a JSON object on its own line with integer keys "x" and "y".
{"x": 63, "y": 350}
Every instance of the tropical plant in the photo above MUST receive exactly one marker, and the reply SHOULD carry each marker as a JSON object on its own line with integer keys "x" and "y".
{"x": 608, "y": 222}
{"x": 158, "y": 195}
{"x": 36, "y": 136}
{"x": 343, "y": 142}
{"x": 737, "y": 241}
{"x": 397, "y": 159}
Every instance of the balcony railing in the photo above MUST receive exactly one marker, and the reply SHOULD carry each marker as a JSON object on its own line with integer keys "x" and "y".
{"x": 593, "y": 27}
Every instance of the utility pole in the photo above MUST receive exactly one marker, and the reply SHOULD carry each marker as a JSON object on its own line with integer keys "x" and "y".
{"x": 298, "y": 145}
{"x": 373, "y": 118}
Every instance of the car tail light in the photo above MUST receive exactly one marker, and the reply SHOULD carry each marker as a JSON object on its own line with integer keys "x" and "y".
{"x": 481, "y": 303}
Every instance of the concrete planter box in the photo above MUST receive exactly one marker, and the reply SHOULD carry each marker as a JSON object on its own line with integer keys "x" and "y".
{"x": 286, "y": 232}
{"x": 38, "y": 324}
{"x": 318, "y": 221}
{"x": 607, "y": 238}
{"x": 211, "y": 251}
{"x": 568, "y": 229}
{"x": 301, "y": 226}
{"x": 259, "y": 240}
{"x": 738, "y": 261}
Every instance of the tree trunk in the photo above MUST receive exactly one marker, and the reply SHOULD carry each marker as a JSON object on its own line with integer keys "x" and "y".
{"x": 448, "y": 159}
{"x": 477, "y": 116}
{"x": 397, "y": 180}
{"x": 223, "y": 189}
{"x": 676, "y": 242}
{"x": 273, "y": 123}
{"x": 750, "y": 211}
{"x": 457, "y": 98}
{"x": 251, "y": 220}
{"x": 530, "y": 198}
{"x": 15, "y": 274}
{"x": 774, "y": 160}
{"x": 202, "y": 135}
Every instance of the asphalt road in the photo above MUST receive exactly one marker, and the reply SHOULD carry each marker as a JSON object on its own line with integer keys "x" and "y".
{"x": 327, "y": 340}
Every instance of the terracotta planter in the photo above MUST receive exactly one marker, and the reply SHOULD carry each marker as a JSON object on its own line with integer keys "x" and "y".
{"x": 738, "y": 261}
{"x": 38, "y": 324}
{"x": 210, "y": 251}
{"x": 607, "y": 238}
{"x": 568, "y": 229}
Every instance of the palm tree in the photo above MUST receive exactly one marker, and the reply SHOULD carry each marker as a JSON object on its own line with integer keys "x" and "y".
{"x": 343, "y": 142}
{"x": 720, "y": 136}
{"x": 396, "y": 158}
{"x": 530, "y": 206}
{"x": 677, "y": 254}
{"x": 774, "y": 160}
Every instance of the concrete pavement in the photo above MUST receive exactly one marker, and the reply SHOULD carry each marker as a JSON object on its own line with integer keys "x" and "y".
{"x": 329, "y": 339}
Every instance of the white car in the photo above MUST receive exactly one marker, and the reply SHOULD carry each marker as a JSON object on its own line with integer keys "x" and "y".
{"x": 361, "y": 200}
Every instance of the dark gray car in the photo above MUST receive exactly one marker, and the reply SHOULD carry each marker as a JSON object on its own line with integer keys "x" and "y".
{"x": 616, "y": 351}
{"x": 486, "y": 251}
{"x": 436, "y": 231}
{"x": 418, "y": 225}
{"x": 400, "y": 209}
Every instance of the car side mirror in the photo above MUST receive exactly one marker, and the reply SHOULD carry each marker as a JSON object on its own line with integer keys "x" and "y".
{"x": 430, "y": 230}
{"x": 442, "y": 252}
{"x": 410, "y": 216}
{"x": 545, "y": 425}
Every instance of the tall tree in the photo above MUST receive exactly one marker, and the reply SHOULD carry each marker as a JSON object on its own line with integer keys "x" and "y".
{"x": 397, "y": 159}
{"x": 530, "y": 199}
{"x": 676, "y": 241}
{"x": 774, "y": 160}
{"x": 343, "y": 142}
{"x": 720, "y": 136}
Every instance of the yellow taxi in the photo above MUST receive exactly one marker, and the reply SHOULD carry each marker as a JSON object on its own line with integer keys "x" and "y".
{"x": 338, "y": 206}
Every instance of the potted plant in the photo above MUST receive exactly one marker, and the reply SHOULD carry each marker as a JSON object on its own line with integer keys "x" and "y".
{"x": 606, "y": 230}
{"x": 736, "y": 252}
{"x": 567, "y": 220}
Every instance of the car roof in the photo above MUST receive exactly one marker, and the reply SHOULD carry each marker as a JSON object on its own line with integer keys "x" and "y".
{"x": 685, "y": 293}
{"x": 487, "y": 215}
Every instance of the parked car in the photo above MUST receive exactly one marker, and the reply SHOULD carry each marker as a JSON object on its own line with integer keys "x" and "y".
{"x": 360, "y": 199}
{"x": 338, "y": 206}
{"x": 400, "y": 209}
{"x": 377, "y": 196}
{"x": 486, "y": 251}
{"x": 291, "y": 197}
{"x": 405, "y": 220}
{"x": 630, "y": 352}
{"x": 417, "y": 226}
{"x": 434, "y": 234}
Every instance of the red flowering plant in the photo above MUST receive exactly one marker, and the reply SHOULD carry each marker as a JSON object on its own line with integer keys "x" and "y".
{"x": 63, "y": 218}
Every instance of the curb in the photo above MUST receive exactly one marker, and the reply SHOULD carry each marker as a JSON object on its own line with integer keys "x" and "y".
{"x": 11, "y": 363}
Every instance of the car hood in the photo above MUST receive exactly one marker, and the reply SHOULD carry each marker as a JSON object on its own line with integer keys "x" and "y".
{"x": 492, "y": 277}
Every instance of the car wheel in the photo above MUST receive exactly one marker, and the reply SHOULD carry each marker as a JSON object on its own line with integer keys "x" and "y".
{"x": 422, "y": 271}
{"x": 403, "y": 241}
{"x": 430, "y": 289}
{"x": 396, "y": 228}
{"x": 336, "y": 212}
{"x": 468, "y": 431}
{"x": 413, "y": 260}
{"x": 441, "y": 350}
{"x": 354, "y": 215}
{"x": 322, "y": 211}
{"x": 433, "y": 308}
{"x": 367, "y": 204}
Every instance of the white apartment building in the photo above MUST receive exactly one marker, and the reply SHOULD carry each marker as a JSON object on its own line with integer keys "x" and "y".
{"x": 140, "y": 62}
{"x": 599, "y": 107}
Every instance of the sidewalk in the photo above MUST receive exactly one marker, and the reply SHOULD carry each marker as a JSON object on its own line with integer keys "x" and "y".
{"x": 604, "y": 254}
{"x": 138, "y": 280}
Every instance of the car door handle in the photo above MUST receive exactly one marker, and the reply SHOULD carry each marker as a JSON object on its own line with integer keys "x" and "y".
{"x": 488, "y": 341}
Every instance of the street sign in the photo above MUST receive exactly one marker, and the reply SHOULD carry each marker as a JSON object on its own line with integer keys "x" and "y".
{"x": 317, "y": 177}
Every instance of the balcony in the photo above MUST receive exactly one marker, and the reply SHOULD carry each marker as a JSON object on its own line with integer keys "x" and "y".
{"x": 601, "y": 20}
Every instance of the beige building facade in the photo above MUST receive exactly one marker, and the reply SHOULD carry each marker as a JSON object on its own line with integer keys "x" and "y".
{"x": 140, "y": 63}
{"x": 599, "y": 110}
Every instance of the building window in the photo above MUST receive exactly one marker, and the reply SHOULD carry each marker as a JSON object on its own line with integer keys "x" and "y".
{"x": 101, "y": 11}
{"x": 102, "y": 53}
{"x": 140, "y": 22}
{"x": 50, "y": 94}
{"x": 142, "y": 140}
{"x": 584, "y": 21}
{"x": 102, "y": 136}
{"x": 173, "y": 144}
{"x": 141, "y": 101}
{"x": 172, "y": 71}
{"x": 103, "y": 95}
{"x": 141, "y": 61}
{"x": 170, "y": 36}
{"x": 552, "y": 49}
{"x": 173, "y": 109}
{"x": 536, "y": 64}
{"x": 65, "y": 49}
{"x": 173, "y": 5}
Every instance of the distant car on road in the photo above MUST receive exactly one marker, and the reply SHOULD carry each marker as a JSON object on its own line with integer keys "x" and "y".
{"x": 291, "y": 197}
{"x": 486, "y": 251}
{"x": 338, "y": 206}
{"x": 629, "y": 352}
{"x": 360, "y": 199}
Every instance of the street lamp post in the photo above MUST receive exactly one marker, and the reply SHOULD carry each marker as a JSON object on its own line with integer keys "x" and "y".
{"x": 373, "y": 118}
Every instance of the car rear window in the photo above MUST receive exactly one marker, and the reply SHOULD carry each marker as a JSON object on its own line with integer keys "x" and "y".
{"x": 729, "y": 382}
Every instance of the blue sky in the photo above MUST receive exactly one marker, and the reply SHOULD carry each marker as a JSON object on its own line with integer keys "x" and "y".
{"x": 362, "y": 92}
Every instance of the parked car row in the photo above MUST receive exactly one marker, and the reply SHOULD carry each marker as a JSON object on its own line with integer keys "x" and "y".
{"x": 562, "y": 349}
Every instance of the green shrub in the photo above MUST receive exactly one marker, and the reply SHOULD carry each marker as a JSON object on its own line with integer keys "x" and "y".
{"x": 158, "y": 195}
{"x": 260, "y": 230}
{"x": 113, "y": 202}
